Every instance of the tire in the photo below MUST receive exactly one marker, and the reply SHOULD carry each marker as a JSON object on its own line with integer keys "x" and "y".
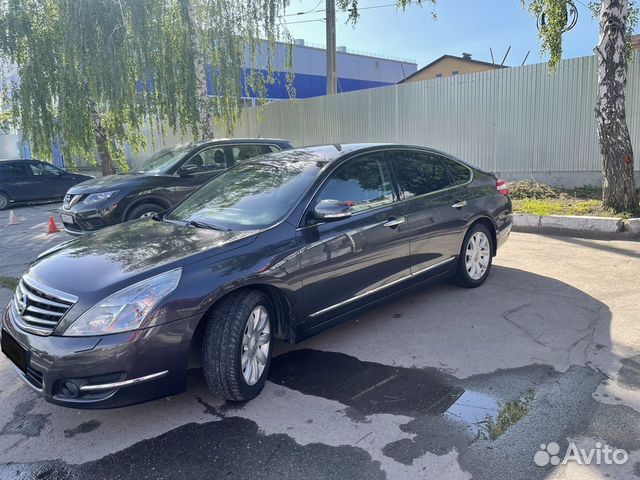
{"x": 144, "y": 210}
{"x": 472, "y": 277}
{"x": 4, "y": 201}
{"x": 223, "y": 346}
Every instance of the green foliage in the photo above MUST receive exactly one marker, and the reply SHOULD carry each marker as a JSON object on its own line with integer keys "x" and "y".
{"x": 555, "y": 13}
{"x": 510, "y": 414}
{"x": 550, "y": 33}
{"x": 6, "y": 121}
{"x": 351, "y": 7}
{"x": 9, "y": 282}
{"x": 133, "y": 61}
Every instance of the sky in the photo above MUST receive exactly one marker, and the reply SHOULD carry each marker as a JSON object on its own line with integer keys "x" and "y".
{"x": 472, "y": 26}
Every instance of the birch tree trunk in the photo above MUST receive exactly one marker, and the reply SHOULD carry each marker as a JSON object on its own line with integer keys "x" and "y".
{"x": 618, "y": 184}
{"x": 101, "y": 139}
{"x": 199, "y": 66}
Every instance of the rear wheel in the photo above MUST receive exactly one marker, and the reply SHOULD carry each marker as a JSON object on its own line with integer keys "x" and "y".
{"x": 144, "y": 210}
{"x": 474, "y": 262}
{"x": 4, "y": 201}
{"x": 236, "y": 348}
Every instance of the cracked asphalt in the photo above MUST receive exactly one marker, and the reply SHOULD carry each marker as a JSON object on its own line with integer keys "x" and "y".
{"x": 441, "y": 382}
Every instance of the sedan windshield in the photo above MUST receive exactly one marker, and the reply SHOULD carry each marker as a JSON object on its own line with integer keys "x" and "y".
{"x": 162, "y": 161}
{"x": 250, "y": 196}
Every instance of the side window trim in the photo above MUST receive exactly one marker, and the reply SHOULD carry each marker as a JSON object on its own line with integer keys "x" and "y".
{"x": 396, "y": 199}
{"x": 451, "y": 174}
{"x": 435, "y": 192}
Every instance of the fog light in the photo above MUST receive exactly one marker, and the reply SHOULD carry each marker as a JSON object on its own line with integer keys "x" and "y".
{"x": 70, "y": 389}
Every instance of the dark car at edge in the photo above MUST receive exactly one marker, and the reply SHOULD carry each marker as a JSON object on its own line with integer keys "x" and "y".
{"x": 30, "y": 181}
{"x": 165, "y": 179}
{"x": 281, "y": 247}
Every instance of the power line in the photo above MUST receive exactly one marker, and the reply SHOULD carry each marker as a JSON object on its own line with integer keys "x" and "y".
{"x": 313, "y": 10}
{"x": 306, "y": 21}
{"x": 321, "y": 10}
{"x": 588, "y": 7}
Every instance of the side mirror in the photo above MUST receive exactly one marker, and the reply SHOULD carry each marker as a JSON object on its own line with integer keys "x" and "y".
{"x": 188, "y": 170}
{"x": 328, "y": 210}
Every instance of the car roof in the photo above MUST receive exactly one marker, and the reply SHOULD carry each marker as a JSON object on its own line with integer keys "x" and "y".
{"x": 18, "y": 160}
{"x": 329, "y": 153}
{"x": 222, "y": 141}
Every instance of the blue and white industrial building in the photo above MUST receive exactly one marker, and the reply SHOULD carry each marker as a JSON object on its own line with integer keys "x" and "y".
{"x": 356, "y": 71}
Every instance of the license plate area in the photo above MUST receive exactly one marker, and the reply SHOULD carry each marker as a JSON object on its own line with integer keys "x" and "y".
{"x": 14, "y": 351}
{"x": 66, "y": 218}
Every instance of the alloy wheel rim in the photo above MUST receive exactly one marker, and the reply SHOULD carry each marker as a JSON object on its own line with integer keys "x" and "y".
{"x": 478, "y": 255}
{"x": 3, "y": 202}
{"x": 256, "y": 341}
{"x": 147, "y": 214}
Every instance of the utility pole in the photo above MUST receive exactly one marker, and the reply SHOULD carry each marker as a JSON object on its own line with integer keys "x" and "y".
{"x": 332, "y": 78}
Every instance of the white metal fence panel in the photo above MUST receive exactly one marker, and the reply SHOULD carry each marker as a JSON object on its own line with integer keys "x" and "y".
{"x": 522, "y": 119}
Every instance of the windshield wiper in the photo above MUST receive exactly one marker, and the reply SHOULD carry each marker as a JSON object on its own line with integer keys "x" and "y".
{"x": 210, "y": 226}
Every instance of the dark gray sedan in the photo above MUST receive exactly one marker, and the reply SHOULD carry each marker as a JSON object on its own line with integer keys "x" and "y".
{"x": 281, "y": 247}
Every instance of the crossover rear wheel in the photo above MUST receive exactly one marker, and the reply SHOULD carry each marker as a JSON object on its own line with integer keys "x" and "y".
{"x": 236, "y": 349}
{"x": 474, "y": 261}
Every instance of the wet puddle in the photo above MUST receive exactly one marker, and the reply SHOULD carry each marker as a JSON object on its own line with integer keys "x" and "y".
{"x": 441, "y": 408}
{"x": 476, "y": 410}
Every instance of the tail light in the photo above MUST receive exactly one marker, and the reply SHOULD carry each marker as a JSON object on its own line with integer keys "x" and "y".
{"x": 501, "y": 186}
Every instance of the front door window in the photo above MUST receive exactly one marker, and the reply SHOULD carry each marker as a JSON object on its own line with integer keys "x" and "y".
{"x": 363, "y": 184}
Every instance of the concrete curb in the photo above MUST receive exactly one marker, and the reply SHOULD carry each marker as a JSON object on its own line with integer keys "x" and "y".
{"x": 608, "y": 226}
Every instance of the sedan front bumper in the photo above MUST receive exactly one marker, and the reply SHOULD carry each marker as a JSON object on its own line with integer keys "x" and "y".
{"x": 105, "y": 371}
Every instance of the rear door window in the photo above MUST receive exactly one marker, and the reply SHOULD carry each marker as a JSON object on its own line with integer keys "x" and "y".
{"x": 13, "y": 170}
{"x": 419, "y": 173}
{"x": 241, "y": 153}
{"x": 44, "y": 169}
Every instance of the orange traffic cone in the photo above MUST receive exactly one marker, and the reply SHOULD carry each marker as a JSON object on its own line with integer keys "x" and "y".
{"x": 53, "y": 228}
{"x": 13, "y": 220}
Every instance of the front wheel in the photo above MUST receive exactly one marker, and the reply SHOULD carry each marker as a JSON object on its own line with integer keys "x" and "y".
{"x": 236, "y": 349}
{"x": 474, "y": 262}
{"x": 143, "y": 211}
{"x": 4, "y": 201}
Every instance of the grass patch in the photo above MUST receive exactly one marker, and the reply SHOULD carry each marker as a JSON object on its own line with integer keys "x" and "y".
{"x": 510, "y": 414}
{"x": 535, "y": 198}
{"x": 9, "y": 282}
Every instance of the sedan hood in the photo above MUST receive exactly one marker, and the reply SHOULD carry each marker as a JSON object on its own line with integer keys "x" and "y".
{"x": 111, "y": 182}
{"x": 115, "y": 257}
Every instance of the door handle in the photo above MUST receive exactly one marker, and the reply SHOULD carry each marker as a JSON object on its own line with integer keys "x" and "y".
{"x": 394, "y": 222}
{"x": 461, "y": 204}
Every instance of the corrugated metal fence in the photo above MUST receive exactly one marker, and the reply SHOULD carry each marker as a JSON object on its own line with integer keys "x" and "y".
{"x": 521, "y": 119}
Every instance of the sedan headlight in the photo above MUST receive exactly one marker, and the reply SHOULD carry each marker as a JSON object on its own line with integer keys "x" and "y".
{"x": 99, "y": 197}
{"x": 127, "y": 309}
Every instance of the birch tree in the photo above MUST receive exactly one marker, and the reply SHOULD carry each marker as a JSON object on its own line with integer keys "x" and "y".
{"x": 92, "y": 73}
{"x": 617, "y": 19}
{"x": 618, "y": 183}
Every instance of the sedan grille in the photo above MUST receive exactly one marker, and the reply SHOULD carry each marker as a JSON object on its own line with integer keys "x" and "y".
{"x": 40, "y": 308}
{"x": 70, "y": 200}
